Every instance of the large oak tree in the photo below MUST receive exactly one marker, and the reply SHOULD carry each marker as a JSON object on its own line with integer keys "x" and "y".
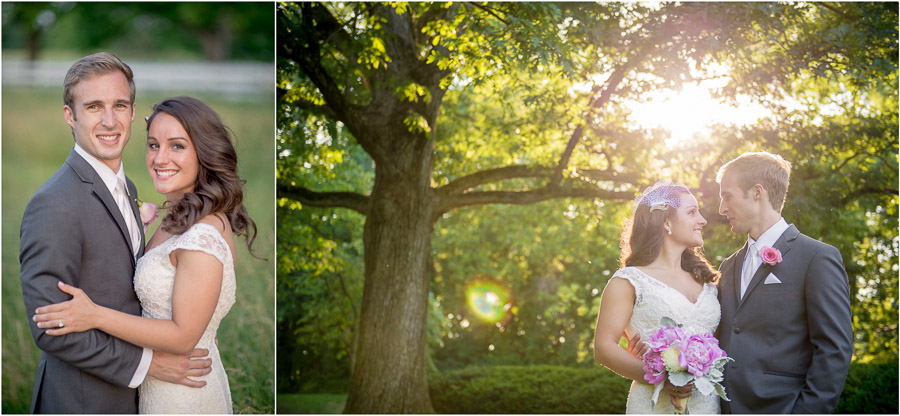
{"x": 537, "y": 95}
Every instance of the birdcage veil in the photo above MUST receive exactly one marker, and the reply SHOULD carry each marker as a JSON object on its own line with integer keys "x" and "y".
{"x": 661, "y": 195}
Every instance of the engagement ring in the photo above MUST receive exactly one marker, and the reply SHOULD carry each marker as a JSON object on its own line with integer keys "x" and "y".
{"x": 60, "y": 323}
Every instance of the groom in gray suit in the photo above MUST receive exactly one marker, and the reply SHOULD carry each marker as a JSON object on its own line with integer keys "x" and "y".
{"x": 785, "y": 300}
{"x": 82, "y": 227}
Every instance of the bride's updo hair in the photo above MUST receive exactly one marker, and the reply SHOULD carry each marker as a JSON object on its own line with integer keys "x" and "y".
{"x": 218, "y": 188}
{"x": 643, "y": 234}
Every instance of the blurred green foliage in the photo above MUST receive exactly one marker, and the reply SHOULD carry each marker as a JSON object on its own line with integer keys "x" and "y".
{"x": 311, "y": 403}
{"x": 870, "y": 389}
{"x": 545, "y": 389}
{"x": 542, "y": 389}
{"x": 215, "y": 31}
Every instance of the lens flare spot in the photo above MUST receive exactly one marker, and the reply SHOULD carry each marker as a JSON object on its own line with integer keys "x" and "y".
{"x": 488, "y": 299}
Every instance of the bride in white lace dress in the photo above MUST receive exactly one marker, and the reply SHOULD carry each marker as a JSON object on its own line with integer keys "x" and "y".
{"x": 664, "y": 275}
{"x": 185, "y": 280}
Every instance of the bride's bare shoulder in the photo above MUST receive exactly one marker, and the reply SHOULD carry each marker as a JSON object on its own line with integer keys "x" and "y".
{"x": 219, "y": 221}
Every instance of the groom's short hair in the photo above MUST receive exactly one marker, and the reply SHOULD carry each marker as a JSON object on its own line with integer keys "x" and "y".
{"x": 764, "y": 168}
{"x": 100, "y": 63}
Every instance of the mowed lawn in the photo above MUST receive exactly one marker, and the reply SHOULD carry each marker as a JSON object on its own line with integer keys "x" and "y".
{"x": 36, "y": 141}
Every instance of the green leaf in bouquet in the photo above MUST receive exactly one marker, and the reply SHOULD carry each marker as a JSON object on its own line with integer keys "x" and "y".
{"x": 658, "y": 388}
{"x": 681, "y": 378}
{"x": 704, "y": 386}
{"x": 721, "y": 392}
{"x": 666, "y": 321}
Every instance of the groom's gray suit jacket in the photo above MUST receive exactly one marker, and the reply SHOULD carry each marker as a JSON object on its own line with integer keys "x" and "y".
{"x": 791, "y": 342}
{"x": 73, "y": 231}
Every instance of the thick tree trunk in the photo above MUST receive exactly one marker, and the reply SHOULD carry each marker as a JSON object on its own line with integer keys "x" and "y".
{"x": 389, "y": 371}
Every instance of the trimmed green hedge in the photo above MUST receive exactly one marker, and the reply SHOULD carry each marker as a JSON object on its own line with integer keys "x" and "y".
{"x": 870, "y": 388}
{"x": 538, "y": 389}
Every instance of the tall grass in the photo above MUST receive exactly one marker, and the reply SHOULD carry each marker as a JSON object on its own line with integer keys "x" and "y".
{"x": 36, "y": 142}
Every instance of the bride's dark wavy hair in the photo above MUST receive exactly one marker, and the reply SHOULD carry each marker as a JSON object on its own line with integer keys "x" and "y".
{"x": 218, "y": 188}
{"x": 642, "y": 241}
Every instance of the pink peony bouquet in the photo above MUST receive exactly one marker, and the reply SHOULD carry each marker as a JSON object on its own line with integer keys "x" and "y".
{"x": 684, "y": 358}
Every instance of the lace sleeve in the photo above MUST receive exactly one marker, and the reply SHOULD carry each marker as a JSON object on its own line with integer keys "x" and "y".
{"x": 629, "y": 274}
{"x": 205, "y": 238}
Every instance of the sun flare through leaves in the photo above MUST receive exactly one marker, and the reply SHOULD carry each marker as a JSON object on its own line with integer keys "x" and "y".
{"x": 488, "y": 299}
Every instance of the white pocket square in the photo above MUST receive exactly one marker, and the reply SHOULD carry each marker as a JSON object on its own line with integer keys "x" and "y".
{"x": 771, "y": 279}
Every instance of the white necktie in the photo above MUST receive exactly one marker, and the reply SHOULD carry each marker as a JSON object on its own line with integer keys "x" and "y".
{"x": 751, "y": 263}
{"x": 134, "y": 230}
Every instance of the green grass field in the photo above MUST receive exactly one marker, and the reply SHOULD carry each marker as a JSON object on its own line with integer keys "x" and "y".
{"x": 36, "y": 142}
{"x": 322, "y": 404}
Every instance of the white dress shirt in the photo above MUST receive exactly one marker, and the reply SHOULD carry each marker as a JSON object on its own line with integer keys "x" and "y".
{"x": 767, "y": 239}
{"x": 111, "y": 179}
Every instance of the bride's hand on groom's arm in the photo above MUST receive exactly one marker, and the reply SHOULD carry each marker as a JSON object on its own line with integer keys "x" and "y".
{"x": 78, "y": 314}
{"x": 635, "y": 346}
{"x": 176, "y": 368}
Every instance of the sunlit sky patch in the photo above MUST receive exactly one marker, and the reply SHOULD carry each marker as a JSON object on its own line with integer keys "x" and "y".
{"x": 692, "y": 111}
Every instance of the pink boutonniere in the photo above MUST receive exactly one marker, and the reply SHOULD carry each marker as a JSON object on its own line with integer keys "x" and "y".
{"x": 148, "y": 213}
{"x": 770, "y": 255}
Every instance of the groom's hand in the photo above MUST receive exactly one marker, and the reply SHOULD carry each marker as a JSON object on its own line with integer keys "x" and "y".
{"x": 176, "y": 368}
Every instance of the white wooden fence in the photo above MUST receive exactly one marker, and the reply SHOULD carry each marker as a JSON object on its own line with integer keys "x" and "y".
{"x": 234, "y": 80}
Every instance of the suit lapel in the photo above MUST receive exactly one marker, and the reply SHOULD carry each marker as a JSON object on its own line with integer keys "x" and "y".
{"x": 99, "y": 189}
{"x": 783, "y": 245}
{"x": 738, "y": 266}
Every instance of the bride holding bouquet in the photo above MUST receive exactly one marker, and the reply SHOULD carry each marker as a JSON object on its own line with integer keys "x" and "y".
{"x": 665, "y": 286}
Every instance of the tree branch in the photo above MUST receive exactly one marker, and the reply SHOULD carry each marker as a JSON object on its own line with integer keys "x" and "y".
{"x": 434, "y": 12}
{"x": 846, "y": 161}
{"x": 493, "y": 175}
{"x": 355, "y": 315}
{"x": 840, "y": 12}
{"x": 869, "y": 190}
{"x": 316, "y": 108}
{"x": 334, "y": 297}
{"x": 336, "y": 234}
{"x": 306, "y": 104}
{"x": 840, "y": 166}
{"x": 401, "y": 44}
{"x": 595, "y": 104}
{"x": 330, "y": 30}
{"x": 450, "y": 202}
{"x": 302, "y": 44}
{"x": 490, "y": 11}
{"x": 567, "y": 154}
{"x": 349, "y": 200}
{"x": 607, "y": 175}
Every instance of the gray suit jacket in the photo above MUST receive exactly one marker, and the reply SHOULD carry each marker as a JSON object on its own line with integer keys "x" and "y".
{"x": 791, "y": 342}
{"x": 72, "y": 231}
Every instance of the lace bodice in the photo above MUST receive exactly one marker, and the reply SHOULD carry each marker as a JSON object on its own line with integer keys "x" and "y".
{"x": 154, "y": 281}
{"x": 154, "y": 289}
{"x": 653, "y": 301}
